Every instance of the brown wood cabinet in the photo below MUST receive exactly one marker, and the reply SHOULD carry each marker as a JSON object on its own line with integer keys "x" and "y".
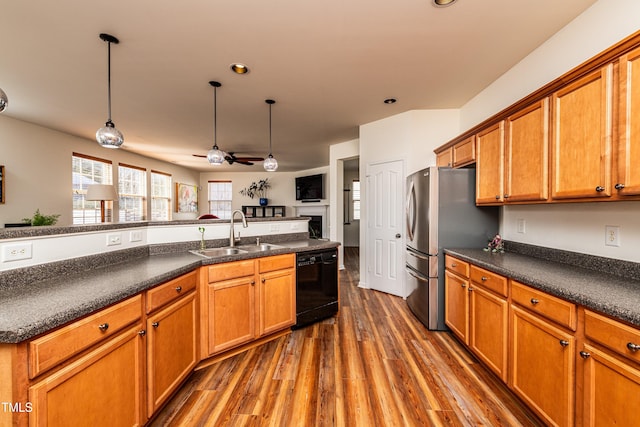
{"x": 526, "y": 176}
{"x": 171, "y": 348}
{"x": 627, "y": 182}
{"x": 490, "y": 165}
{"x": 445, "y": 158}
{"x": 102, "y": 388}
{"x": 245, "y": 300}
{"x": 581, "y": 137}
{"x": 543, "y": 366}
{"x": 489, "y": 319}
{"x": 464, "y": 152}
{"x": 456, "y": 315}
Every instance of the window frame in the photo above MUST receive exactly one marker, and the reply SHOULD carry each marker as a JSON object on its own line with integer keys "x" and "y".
{"x": 122, "y": 195}
{"x": 79, "y": 194}
{"x": 217, "y": 212}
{"x": 154, "y": 198}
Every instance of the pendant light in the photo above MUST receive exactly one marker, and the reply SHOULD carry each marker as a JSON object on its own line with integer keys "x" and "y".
{"x": 108, "y": 136}
{"x": 270, "y": 163}
{"x": 4, "y": 101}
{"x": 215, "y": 156}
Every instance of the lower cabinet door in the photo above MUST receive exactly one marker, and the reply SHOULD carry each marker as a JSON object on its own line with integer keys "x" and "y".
{"x": 543, "y": 367}
{"x": 102, "y": 388}
{"x": 489, "y": 320}
{"x": 171, "y": 349}
{"x": 611, "y": 390}
{"x": 231, "y": 313}
{"x": 277, "y": 301}
{"x": 456, "y": 314}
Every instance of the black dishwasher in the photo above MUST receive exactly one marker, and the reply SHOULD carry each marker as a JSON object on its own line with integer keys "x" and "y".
{"x": 316, "y": 286}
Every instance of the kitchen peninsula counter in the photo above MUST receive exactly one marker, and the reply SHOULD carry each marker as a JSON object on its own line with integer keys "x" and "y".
{"x": 82, "y": 287}
{"x": 582, "y": 279}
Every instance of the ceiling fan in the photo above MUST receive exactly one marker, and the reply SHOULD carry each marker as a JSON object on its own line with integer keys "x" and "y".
{"x": 231, "y": 158}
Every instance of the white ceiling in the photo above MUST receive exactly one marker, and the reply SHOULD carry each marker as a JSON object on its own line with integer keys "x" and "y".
{"x": 329, "y": 65}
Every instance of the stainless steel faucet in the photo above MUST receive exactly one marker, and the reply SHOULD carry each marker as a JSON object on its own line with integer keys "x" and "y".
{"x": 232, "y": 237}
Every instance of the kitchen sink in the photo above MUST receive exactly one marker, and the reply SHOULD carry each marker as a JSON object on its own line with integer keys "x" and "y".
{"x": 261, "y": 247}
{"x": 217, "y": 252}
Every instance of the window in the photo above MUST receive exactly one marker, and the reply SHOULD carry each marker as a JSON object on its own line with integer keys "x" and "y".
{"x": 132, "y": 183}
{"x": 356, "y": 199}
{"x": 160, "y": 196}
{"x": 220, "y": 199}
{"x": 87, "y": 170}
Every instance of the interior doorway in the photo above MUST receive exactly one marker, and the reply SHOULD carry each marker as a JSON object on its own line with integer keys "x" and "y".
{"x": 351, "y": 203}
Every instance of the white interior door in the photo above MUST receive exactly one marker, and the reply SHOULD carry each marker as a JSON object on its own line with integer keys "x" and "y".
{"x": 385, "y": 247}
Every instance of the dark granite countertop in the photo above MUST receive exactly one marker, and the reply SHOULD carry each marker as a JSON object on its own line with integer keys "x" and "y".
{"x": 610, "y": 294}
{"x": 39, "y": 306}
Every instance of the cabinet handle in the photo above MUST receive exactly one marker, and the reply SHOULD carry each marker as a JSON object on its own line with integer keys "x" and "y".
{"x": 470, "y": 288}
{"x": 103, "y": 327}
{"x": 264, "y": 280}
{"x": 633, "y": 347}
{"x": 454, "y": 265}
{"x": 497, "y": 197}
{"x": 142, "y": 333}
{"x": 155, "y": 324}
{"x": 506, "y": 196}
{"x": 585, "y": 355}
{"x": 599, "y": 189}
{"x": 178, "y": 289}
{"x": 484, "y": 279}
{"x": 464, "y": 285}
{"x": 619, "y": 186}
{"x": 253, "y": 283}
{"x": 534, "y": 301}
{"x": 564, "y": 343}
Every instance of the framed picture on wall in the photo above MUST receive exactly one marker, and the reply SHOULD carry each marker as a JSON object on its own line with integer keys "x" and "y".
{"x": 186, "y": 198}
{"x": 1, "y": 184}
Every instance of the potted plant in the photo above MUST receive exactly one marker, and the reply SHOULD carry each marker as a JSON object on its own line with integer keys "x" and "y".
{"x": 39, "y": 219}
{"x": 258, "y": 189}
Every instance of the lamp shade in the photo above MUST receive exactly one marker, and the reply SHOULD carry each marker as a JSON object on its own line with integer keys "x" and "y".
{"x": 101, "y": 192}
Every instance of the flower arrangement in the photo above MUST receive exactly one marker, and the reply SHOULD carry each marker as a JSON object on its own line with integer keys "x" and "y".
{"x": 495, "y": 245}
{"x": 257, "y": 189}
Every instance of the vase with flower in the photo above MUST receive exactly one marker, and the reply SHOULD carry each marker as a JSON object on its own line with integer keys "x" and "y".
{"x": 258, "y": 189}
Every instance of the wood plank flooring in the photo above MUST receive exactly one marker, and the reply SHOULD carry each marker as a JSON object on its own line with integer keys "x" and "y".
{"x": 372, "y": 365}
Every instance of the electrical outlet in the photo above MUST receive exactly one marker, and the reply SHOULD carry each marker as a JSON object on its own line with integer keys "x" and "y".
{"x": 16, "y": 252}
{"x": 612, "y": 235}
{"x": 295, "y": 226}
{"x": 114, "y": 239}
{"x": 274, "y": 227}
{"x": 522, "y": 226}
{"x": 135, "y": 236}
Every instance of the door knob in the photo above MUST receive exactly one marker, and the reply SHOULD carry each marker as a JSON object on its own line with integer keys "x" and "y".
{"x": 398, "y": 235}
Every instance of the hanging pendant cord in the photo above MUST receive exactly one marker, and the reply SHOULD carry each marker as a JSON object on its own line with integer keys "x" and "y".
{"x": 109, "y": 80}
{"x": 215, "y": 117}
{"x": 270, "y": 152}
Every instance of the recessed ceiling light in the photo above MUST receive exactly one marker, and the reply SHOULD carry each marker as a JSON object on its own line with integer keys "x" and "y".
{"x": 239, "y": 68}
{"x": 390, "y": 101}
{"x": 443, "y": 3}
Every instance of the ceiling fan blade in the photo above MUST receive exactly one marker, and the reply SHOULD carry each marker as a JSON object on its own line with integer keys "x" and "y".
{"x": 204, "y": 156}
{"x": 244, "y": 162}
{"x": 250, "y": 159}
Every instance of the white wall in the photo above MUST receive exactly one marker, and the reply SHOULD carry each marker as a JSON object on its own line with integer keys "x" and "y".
{"x": 37, "y": 163}
{"x": 574, "y": 227}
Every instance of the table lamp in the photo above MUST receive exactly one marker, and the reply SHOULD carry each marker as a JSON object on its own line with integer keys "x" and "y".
{"x": 102, "y": 192}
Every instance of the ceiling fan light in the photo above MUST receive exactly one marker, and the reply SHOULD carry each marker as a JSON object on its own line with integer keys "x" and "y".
{"x": 4, "y": 101}
{"x": 270, "y": 164}
{"x": 443, "y": 3}
{"x": 109, "y": 136}
{"x": 215, "y": 156}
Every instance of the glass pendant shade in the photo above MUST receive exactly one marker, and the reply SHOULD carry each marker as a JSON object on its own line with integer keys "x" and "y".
{"x": 4, "y": 101}
{"x": 270, "y": 164}
{"x": 215, "y": 156}
{"x": 109, "y": 137}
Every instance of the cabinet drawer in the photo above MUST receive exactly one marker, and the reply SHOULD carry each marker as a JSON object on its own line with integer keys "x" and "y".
{"x": 55, "y": 347}
{"x": 556, "y": 309}
{"x": 489, "y": 280}
{"x": 454, "y": 264}
{"x": 614, "y": 335}
{"x": 172, "y": 290}
{"x": 231, "y": 270}
{"x": 464, "y": 152}
{"x": 278, "y": 262}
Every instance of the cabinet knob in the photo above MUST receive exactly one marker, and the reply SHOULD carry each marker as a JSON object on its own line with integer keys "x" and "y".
{"x": 564, "y": 343}
{"x": 142, "y": 333}
{"x": 484, "y": 279}
{"x": 506, "y": 196}
{"x": 454, "y": 265}
{"x": 497, "y": 197}
{"x": 584, "y": 354}
{"x": 463, "y": 285}
{"x": 155, "y": 324}
{"x": 619, "y": 186}
{"x": 253, "y": 282}
{"x": 633, "y": 347}
{"x": 264, "y": 280}
{"x": 534, "y": 301}
{"x": 470, "y": 288}
{"x": 178, "y": 289}
{"x": 599, "y": 189}
{"x": 103, "y": 327}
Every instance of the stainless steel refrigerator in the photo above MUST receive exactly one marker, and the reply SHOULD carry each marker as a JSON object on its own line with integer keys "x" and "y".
{"x": 441, "y": 212}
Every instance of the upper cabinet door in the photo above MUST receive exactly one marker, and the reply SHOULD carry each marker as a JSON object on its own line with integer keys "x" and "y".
{"x": 526, "y": 150}
{"x": 581, "y": 137}
{"x": 628, "y": 181}
{"x": 489, "y": 165}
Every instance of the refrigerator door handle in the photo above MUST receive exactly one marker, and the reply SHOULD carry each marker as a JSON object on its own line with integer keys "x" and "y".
{"x": 422, "y": 279}
{"x": 411, "y": 211}
{"x": 414, "y": 254}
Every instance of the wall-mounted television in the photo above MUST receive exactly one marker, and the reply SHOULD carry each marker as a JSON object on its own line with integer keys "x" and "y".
{"x": 310, "y": 188}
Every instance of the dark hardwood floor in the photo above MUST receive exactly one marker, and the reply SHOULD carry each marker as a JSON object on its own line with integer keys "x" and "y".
{"x": 372, "y": 365}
